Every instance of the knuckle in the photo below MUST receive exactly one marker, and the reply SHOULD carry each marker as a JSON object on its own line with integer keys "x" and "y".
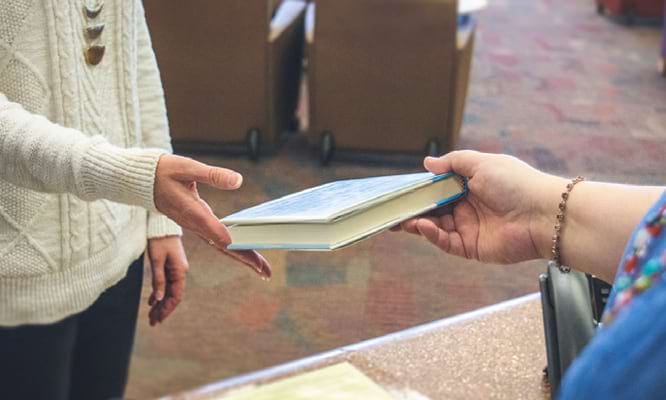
{"x": 223, "y": 241}
{"x": 217, "y": 236}
{"x": 214, "y": 176}
{"x": 181, "y": 267}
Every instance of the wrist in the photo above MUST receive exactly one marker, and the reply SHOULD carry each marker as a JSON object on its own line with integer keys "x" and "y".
{"x": 547, "y": 199}
{"x": 160, "y": 226}
{"x": 164, "y": 238}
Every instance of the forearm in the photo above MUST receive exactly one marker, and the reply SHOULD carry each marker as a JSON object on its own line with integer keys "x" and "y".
{"x": 40, "y": 155}
{"x": 36, "y": 154}
{"x": 599, "y": 220}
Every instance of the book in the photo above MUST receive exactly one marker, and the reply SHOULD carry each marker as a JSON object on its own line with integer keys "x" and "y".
{"x": 340, "y": 213}
{"x": 470, "y": 6}
{"x": 341, "y": 381}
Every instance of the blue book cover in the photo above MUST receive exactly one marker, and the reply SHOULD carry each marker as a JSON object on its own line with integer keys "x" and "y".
{"x": 328, "y": 202}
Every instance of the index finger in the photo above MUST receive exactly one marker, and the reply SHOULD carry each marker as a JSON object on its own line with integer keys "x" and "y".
{"x": 201, "y": 220}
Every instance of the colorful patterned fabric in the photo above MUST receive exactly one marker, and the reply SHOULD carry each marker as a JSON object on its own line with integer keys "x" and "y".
{"x": 643, "y": 262}
{"x": 626, "y": 357}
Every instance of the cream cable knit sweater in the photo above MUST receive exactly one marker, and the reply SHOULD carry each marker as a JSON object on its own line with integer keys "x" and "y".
{"x": 79, "y": 146}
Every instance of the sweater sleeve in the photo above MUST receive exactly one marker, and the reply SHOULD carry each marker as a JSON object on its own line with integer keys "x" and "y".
{"x": 154, "y": 122}
{"x": 40, "y": 155}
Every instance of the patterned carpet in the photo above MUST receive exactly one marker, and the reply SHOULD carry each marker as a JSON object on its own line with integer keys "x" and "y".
{"x": 552, "y": 82}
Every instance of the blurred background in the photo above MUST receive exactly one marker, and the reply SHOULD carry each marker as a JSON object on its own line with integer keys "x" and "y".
{"x": 293, "y": 94}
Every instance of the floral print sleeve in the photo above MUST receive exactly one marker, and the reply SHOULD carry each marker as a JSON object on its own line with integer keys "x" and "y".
{"x": 643, "y": 262}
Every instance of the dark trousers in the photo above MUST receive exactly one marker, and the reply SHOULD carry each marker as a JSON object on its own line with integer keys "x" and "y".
{"x": 85, "y": 356}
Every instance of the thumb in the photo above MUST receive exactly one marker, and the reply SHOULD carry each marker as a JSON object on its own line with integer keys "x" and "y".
{"x": 220, "y": 178}
{"x": 463, "y": 162}
{"x": 223, "y": 178}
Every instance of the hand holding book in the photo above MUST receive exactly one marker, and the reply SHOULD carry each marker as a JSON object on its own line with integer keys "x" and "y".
{"x": 510, "y": 211}
{"x": 493, "y": 223}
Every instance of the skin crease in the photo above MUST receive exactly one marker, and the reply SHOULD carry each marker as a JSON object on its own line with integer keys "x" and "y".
{"x": 177, "y": 197}
{"x": 509, "y": 213}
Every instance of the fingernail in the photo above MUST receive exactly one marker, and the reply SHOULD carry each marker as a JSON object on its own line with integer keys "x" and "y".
{"x": 267, "y": 273}
{"x": 263, "y": 273}
{"x": 236, "y": 180}
{"x": 159, "y": 296}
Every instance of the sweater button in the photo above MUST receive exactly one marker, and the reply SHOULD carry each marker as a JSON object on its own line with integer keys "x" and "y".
{"x": 94, "y": 54}
{"x": 91, "y": 11}
{"x": 93, "y": 32}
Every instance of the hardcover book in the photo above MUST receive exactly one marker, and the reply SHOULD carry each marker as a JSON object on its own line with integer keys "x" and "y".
{"x": 341, "y": 213}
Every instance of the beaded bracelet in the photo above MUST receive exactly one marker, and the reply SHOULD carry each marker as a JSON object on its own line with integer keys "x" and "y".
{"x": 556, "y": 261}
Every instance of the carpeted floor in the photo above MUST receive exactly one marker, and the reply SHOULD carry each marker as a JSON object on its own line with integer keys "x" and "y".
{"x": 553, "y": 83}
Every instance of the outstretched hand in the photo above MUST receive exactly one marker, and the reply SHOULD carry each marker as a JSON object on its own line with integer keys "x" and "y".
{"x": 500, "y": 218}
{"x": 177, "y": 197}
